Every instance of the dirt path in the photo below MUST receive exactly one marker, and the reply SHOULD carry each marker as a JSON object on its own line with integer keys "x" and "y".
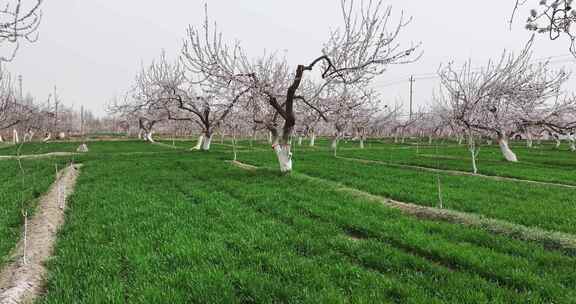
{"x": 456, "y": 172}
{"x": 33, "y": 156}
{"x": 22, "y": 282}
{"x": 550, "y": 239}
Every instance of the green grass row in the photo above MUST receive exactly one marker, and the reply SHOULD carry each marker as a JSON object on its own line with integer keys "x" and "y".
{"x": 547, "y": 207}
{"x": 19, "y": 190}
{"x": 190, "y": 228}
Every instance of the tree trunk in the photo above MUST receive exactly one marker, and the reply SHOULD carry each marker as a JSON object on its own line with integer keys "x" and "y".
{"x": 284, "y": 157}
{"x": 149, "y": 136}
{"x": 234, "y": 144}
{"x": 15, "y": 138}
{"x": 572, "y": 141}
{"x": 558, "y": 142}
{"x": 429, "y": 140}
{"x": 83, "y": 148}
{"x": 334, "y": 144}
{"x": 1, "y": 139}
{"x": 506, "y": 152}
{"x": 48, "y": 137}
{"x": 199, "y": 143}
{"x": 362, "y": 142}
{"x": 529, "y": 141}
{"x": 269, "y": 137}
{"x": 313, "y": 139}
{"x": 299, "y": 140}
{"x": 206, "y": 142}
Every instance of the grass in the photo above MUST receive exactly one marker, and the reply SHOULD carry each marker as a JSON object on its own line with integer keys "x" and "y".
{"x": 506, "y": 200}
{"x": 153, "y": 224}
{"x": 19, "y": 191}
{"x": 130, "y": 146}
{"x": 191, "y": 228}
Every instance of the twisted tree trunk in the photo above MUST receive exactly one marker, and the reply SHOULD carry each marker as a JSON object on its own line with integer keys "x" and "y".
{"x": 505, "y": 149}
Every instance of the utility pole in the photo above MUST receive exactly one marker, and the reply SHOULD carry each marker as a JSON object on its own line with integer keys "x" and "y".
{"x": 82, "y": 121}
{"x": 20, "y": 86}
{"x": 56, "y": 102}
{"x": 411, "y": 94}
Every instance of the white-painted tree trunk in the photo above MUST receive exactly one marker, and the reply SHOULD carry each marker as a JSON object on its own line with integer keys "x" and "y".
{"x": 269, "y": 137}
{"x": 1, "y": 139}
{"x": 558, "y": 143}
{"x": 300, "y": 140}
{"x": 284, "y": 157}
{"x": 460, "y": 138}
{"x": 505, "y": 149}
{"x": 313, "y": 139}
{"x": 15, "y": 138}
{"x": 48, "y": 137}
{"x": 83, "y": 148}
{"x": 149, "y": 137}
{"x": 206, "y": 143}
{"x": 334, "y": 144}
{"x": 140, "y": 136}
{"x": 474, "y": 166}
{"x": 30, "y": 135}
{"x": 572, "y": 142}
{"x": 199, "y": 143}
{"x": 361, "y": 143}
{"x": 473, "y": 152}
{"x": 529, "y": 141}
{"x": 429, "y": 140}
{"x": 234, "y": 144}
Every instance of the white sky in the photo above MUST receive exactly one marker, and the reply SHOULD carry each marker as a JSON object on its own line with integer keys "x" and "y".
{"x": 92, "y": 49}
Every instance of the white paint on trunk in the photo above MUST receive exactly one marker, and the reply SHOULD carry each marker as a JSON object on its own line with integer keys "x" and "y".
{"x": 334, "y": 144}
{"x": 284, "y": 157}
{"x": 15, "y": 138}
{"x": 1, "y": 139}
{"x": 206, "y": 143}
{"x": 506, "y": 152}
{"x": 558, "y": 143}
{"x": 474, "y": 166}
{"x": 83, "y": 148}
{"x": 269, "y": 137}
{"x": 572, "y": 141}
{"x": 313, "y": 140}
{"x": 362, "y": 143}
{"x": 149, "y": 137}
{"x": 48, "y": 137}
{"x": 300, "y": 140}
{"x": 199, "y": 143}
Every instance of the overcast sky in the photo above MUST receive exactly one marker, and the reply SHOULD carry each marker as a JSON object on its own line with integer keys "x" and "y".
{"x": 92, "y": 49}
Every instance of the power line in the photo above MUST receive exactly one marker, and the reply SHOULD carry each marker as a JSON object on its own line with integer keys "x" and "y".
{"x": 430, "y": 76}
